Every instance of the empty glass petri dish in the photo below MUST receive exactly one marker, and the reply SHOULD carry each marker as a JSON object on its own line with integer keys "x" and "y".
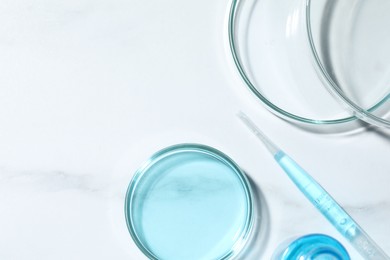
{"x": 350, "y": 43}
{"x": 296, "y": 56}
{"x": 189, "y": 201}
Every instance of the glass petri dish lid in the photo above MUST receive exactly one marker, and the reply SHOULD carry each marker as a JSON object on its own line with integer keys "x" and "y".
{"x": 280, "y": 49}
{"x": 189, "y": 201}
{"x": 350, "y": 42}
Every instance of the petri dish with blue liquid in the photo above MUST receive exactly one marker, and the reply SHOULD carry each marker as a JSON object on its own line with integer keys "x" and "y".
{"x": 189, "y": 201}
{"x": 311, "y": 247}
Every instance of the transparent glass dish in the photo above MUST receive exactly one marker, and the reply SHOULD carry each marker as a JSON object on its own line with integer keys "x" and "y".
{"x": 291, "y": 54}
{"x": 350, "y": 43}
{"x": 311, "y": 247}
{"x": 189, "y": 201}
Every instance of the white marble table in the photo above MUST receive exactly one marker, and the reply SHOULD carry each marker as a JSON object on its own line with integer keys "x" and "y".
{"x": 89, "y": 89}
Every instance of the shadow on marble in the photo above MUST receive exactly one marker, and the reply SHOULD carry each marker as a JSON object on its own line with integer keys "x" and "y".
{"x": 259, "y": 237}
{"x": 383, "y": 133}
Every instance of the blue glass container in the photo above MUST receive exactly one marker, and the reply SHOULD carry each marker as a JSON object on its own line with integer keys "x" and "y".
{"x": 312, "y": 247}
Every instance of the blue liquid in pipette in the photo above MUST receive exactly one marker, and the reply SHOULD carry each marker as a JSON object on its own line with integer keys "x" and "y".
{"x": 317, "y": 195}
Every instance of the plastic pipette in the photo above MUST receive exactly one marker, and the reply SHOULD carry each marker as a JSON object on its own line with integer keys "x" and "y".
{"x": 321, "y": 199}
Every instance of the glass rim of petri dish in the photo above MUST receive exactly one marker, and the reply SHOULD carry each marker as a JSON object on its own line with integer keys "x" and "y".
{"x": 241, "y": 239}
{"x": 272, "y": 106}
{"x": 311, "y": 246}
{"x": 375, "y": 113}
{"x": 360, "y": 112}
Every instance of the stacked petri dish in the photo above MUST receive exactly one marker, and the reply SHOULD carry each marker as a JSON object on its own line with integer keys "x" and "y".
{"x": 319, "y": 62}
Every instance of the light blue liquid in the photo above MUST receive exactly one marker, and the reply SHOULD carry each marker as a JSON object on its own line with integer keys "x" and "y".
{"x": 330, "y": 209}
{"x": 313, "y": 247}
{"x": 189, "y": 205}
{"x": 318, "y": 196}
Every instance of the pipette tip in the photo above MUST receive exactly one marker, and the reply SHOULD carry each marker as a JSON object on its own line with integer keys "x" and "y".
{"x": 252, "y": 126}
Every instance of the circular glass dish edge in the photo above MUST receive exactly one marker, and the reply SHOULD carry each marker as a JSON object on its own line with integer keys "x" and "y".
{"x": 271, "y": 106}
{"x": 361, "y": 113}
{"x": 218, "y": 155}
